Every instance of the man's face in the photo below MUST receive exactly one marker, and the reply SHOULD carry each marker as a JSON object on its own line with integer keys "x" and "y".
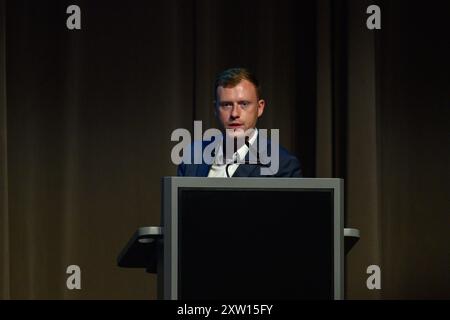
{"x": 238, "y": 108}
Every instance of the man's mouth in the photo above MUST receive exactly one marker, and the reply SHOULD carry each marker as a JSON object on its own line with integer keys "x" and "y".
{"x": 235, "y": 125}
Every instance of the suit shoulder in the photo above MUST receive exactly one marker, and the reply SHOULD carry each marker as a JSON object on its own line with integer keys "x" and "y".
{"x": 289, "y": 164}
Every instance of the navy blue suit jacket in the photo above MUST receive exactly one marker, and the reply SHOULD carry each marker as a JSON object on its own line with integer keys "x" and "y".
{"x": 289, "y": 166}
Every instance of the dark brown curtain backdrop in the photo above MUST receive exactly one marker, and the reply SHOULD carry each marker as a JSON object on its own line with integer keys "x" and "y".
{"x": 383, "y": 125}
{"x": 414, "y": 157}
{"x": 86, "y": 118}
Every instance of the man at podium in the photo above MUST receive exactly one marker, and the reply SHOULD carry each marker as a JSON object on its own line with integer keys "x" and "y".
{"x": 241, "y": 150}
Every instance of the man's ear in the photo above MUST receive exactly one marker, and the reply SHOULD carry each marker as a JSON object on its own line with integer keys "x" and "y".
{"x": 261, "y": 105}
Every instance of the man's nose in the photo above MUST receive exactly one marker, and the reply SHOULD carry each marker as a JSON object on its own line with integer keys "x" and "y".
{"x": 235, "y": 111}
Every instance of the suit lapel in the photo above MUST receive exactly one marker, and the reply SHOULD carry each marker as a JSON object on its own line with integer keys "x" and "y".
{"x": 247, "y": 170}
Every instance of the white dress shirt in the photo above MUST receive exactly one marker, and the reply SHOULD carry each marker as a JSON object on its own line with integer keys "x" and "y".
{"x": 218, "y": 168}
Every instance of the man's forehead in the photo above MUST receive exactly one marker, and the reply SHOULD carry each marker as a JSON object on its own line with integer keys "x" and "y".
{"x": 243, "y": 89}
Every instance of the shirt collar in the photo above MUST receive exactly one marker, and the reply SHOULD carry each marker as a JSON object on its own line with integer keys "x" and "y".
{"x": 239, "y": 155}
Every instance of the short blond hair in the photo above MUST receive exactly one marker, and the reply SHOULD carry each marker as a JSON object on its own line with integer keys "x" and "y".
{"x": 231, "y": 77}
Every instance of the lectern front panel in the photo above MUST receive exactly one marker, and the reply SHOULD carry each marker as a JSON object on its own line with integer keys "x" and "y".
{"x": 255, "y": 244}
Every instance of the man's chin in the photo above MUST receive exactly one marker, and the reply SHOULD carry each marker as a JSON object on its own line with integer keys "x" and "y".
{"x": 235, "y": 133}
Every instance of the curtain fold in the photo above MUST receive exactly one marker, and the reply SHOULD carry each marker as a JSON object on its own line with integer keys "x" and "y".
{"x": 362, "y": 182}
{"x": 4, "y": 212}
